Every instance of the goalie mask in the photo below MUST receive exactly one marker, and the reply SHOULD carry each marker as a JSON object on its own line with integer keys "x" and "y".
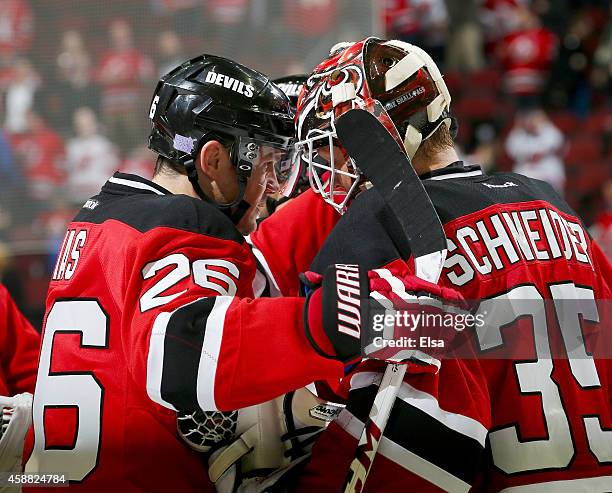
{"x": 396, "y": 81}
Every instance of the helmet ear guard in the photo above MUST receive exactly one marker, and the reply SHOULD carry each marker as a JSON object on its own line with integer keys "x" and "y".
{"x": 242, "y": 153}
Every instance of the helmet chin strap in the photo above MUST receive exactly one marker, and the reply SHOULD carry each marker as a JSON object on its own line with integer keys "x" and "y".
{"x": 234, "y": 210}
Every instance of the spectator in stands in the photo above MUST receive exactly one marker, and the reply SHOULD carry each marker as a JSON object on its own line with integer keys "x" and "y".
{"x": 553, "y": 14}
{"x": 569, "y": 79}
{"x": 500, "y": 18}
{"x": 91, "y": 157}
{"x": 6, "y": 223}
{"x": 11, "y": 185}
{"x": 18, "y": 81}
{"x": 40, "y": 153}
{"x": 170, "y": 50}
{"x": 421, "y": 22}
{"x": 74, "y": 77}
{"x": 601, "y": 76}
{"x": 225, "y": 21}
{"x": 602, "y": 228}
{"x": 526, "y": 56}
{"x": 73, "y": 61}
{"x": 10, "y": 176}
{"x": 10, "y": 278}
{"x": 464, "y": 49}
{"x": 52, "y": 222}
{"x": 19, "y": 97}
{"x": 485, "y": 146}
{"x": 185, "y": 15}
{"x": 123, "y": 71}
{"x": 15, "y": 29}
{"x": 535, "y": 144}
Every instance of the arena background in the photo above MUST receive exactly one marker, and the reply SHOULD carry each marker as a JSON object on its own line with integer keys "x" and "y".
{"x": 530, "y": 81}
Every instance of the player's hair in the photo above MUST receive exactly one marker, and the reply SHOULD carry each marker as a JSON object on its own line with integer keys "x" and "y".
{"x": 438, "y": 141}
{"x": 165, "y": 166}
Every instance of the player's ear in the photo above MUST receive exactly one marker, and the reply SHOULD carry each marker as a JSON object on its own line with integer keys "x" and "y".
{"x": 216, "y": 170}
{"x": 209, "y": 159}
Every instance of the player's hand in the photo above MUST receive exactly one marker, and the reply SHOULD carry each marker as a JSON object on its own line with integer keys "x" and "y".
{"x": 332, "y": 313}
{"x": 336, "y": 310}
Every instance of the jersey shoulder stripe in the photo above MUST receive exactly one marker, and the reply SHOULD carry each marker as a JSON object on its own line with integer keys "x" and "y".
{"x": 144, "y": 208}
{"x": 460, "y": 197}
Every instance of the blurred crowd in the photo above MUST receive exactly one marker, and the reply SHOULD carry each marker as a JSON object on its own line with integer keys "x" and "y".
{"x": 531, "y": 85}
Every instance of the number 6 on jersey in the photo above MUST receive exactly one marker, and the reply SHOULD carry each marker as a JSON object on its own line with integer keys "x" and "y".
{"x": 76, "y": 390}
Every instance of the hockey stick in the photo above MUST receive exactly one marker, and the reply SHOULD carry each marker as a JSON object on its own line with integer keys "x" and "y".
{"x": 377, "y": 154}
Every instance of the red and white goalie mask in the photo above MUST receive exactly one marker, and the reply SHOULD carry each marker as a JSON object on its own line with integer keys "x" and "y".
{"x": 396, "y": 81}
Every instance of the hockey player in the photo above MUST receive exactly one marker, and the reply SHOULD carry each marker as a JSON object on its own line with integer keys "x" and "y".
{"x": 19, "y": 342}
{"x": 18, "y": 357}
{"x": 511, "y": 242}
{"x": 151, "y": 307}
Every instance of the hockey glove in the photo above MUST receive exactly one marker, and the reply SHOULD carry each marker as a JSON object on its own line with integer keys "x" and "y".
{"x": 335, "y": 310}
{"x": 332, "y": 313}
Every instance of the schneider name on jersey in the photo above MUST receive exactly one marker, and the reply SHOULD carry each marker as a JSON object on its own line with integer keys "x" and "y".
{"x": 513, "y": 243}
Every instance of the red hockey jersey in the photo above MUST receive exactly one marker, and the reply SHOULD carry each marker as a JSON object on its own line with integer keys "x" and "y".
{"x": 151, "y": 308}
{"x": 19, "y": 355}
{"x": 513, "y": 243}
{"x": 527, "y": 57}
{"x": 286, "y": 243}
{"x": 120, "y": 75}
{"x": 546, "y": 358}
{"x": 15, "y": 27}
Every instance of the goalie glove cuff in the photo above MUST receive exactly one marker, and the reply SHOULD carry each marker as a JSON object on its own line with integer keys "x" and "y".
{"x": 334, "y": 312}
{"x": 313, "y": 324}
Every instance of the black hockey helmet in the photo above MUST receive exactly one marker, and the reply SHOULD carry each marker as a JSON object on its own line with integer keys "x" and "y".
{"x": 213, "y": 98}
{"x": 292, "y": 85}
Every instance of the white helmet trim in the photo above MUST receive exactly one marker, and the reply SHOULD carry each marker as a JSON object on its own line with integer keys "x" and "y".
{"x": 403, "y": 70}
{"x": 429, "y": 64}
{"x": 342, "y": 93}
{"x": 435, "y": 108}
{"x": 342, "y": 45}
{"x": 412, "y": 140}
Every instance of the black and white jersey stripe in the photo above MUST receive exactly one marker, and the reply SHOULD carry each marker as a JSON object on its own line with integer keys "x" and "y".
{"x": 184, "y": 352}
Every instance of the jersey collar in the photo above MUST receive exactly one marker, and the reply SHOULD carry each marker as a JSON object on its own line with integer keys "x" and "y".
{"x": 125, "y": 182}
{"x": 454, "y": 170}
